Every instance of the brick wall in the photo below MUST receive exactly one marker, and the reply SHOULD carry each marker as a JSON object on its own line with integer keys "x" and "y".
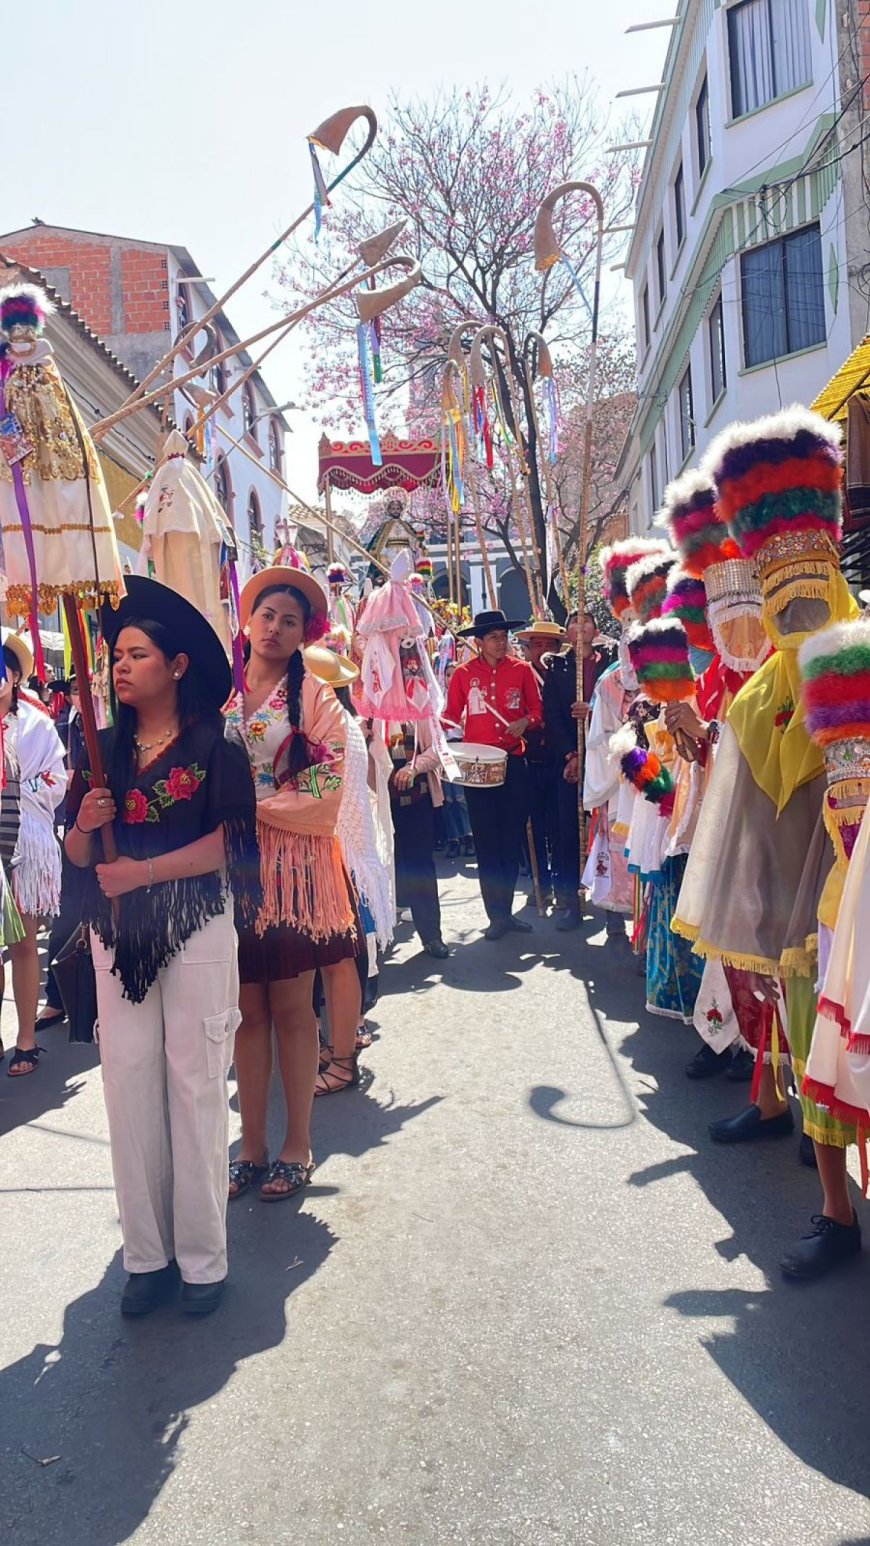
{"x": 116, "y": 287}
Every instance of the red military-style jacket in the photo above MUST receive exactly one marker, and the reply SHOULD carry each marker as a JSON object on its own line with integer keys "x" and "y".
{"x": 511, "y": 687}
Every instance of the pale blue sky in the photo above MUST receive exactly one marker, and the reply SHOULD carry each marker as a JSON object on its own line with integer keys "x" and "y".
{"x": 185, "y": 120}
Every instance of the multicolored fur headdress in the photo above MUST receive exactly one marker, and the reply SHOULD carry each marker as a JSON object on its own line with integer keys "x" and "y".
{"x": 647, "y": 582}
{"x": 24, "y": 306}
{"x": 696, "y": 525}
{"x": 779, "y": 490}
{"x": 835, "y": 672}
{"x": 643, "y": 769}
{"x": 659, "y": 653}
{"x": 616, "y": 560}
{"x": 686, "y": 600}
{"x": 337, "y": 574}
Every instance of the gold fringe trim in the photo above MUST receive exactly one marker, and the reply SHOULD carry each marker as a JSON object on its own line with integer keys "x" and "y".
{"x": 86, "y": 594}
{"x": 839, "y": 1137}
{"x": 800, "y": 960}
{"x": 52, "y": 530}
{"x": 857, "y": 789}
{"x": 685, "y": 930}
{"x": 803, "y": 588}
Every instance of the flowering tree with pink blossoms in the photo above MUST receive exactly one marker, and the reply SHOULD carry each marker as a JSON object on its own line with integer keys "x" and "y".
{"x": 467, "y": 171}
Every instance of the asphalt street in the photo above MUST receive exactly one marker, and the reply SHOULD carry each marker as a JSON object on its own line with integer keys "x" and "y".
{"x": 524, "y": 1303}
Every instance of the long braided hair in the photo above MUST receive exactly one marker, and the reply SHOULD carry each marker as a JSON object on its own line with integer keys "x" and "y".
{"x": 298, "y": 755}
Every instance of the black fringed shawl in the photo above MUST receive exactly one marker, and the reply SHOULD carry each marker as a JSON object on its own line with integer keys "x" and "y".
{"x": 200, "y": 781}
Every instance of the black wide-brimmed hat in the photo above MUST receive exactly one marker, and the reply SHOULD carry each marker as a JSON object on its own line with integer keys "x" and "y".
{"x": 490, "y": 622}
{"x": 149, "y": 601}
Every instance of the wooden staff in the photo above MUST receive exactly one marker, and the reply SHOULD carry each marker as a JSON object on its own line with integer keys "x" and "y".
{"x": 546, "y": 369}
{"x": 519, "y": 480}
{"x": 330, "y": 135}
{"x": 334, "y": 293}
{"x": 89, "y": 720}
{"x": 547, "y": 253}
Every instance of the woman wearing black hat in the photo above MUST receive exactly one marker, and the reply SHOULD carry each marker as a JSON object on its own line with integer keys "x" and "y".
{"x": 181, "y": 803}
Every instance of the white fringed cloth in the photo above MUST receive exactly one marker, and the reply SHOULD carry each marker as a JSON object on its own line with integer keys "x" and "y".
{"x": 358, "y": 837}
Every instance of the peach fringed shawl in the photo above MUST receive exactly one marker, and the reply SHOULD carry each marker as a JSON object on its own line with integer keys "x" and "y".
{"x": 305, "y": 883}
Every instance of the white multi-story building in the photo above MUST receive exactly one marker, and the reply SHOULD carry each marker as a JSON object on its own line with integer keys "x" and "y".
{"x": 738, "y": 253}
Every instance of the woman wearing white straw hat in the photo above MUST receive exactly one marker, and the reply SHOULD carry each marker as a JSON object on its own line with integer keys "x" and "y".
{"x": 294, "y": 732}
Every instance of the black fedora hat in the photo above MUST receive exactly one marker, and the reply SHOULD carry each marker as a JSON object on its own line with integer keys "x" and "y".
{"x": 149, "y": 601}
{"x": 489, "y": 622}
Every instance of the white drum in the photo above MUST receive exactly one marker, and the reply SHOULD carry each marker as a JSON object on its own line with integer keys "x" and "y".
{"x": 480, "y": 767}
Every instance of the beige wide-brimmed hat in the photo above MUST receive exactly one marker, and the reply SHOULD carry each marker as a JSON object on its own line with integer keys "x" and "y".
{"x": 22, "y": 652}
{"x": 281, "y": 574}
{"x": 334, "y": 670}
{"x": 541, "y": 628}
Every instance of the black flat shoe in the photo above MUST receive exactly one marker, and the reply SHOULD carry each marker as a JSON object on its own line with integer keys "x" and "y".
{"x": 202, "y": 1298}
{"x": 742, "y": 1067}
{"x": 706, "y": 1063}
{"x": 749, "y": 1125}
{"x": 437, "y": 948}
{"x": 496, "y": 931}
{"x": 519, "y": 925}
{"x": 825, "y": 1246}
{"x": 144, "y": 1291}
{"x": 45, "y": 1022}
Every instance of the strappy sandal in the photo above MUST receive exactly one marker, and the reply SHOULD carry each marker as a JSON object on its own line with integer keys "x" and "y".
{"x": 325, "y": 1057}
{"x": 293, "y": 1172}
{"x": 24, "y": 1055}
{"x": 344, "y": 1070}
{"x": 243, "y": 1173}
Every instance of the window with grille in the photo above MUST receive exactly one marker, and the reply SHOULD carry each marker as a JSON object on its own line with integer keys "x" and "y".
{"x": 783, "y": 296}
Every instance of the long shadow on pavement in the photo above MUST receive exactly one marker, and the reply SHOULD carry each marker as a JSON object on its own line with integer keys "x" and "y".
{"x": 112, "y": 1400}
{"x": 798, "y": 1354}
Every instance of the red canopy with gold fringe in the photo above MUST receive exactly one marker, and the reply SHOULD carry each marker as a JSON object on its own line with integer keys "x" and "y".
{"x": 407, "y": 464}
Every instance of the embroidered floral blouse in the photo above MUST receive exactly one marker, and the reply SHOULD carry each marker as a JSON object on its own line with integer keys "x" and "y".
{"x": 267, "y": 737}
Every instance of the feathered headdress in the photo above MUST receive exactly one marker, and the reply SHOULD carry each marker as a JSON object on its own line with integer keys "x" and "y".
{"x": 24, "y": 306}
{"x": 643, "y": 769}
{"x": 337, "y": 574}
{"x": 686, "y": 600}
{"x": 616, "y": 560}
{"x": 695, "y": 522}
{"x": 779, "y": 488}
{"x": 659, "y": 653}
{"x": 835, "y": 671}
{"x": 646, "y": 581}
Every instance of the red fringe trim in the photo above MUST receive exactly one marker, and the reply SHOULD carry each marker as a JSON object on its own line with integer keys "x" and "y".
{"x": 828, "y": 1100}
{"x": 857, "y": 1043}
{"x": 834, "y": 1012}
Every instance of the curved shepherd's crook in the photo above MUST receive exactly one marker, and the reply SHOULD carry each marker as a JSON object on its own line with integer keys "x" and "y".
{"x": 329, "y": 136}
{"x": 292, "y": 318}
{"x": 526, "y": 532}
{"x": 538, "y": 362}
{"x": 548, "y": 252}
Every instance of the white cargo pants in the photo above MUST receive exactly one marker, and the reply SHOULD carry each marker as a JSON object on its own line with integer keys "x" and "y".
{"x": 165, "y": 1065}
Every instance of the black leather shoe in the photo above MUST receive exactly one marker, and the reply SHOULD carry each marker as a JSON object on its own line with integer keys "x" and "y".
{"x": 749, "y": 1125}
{"x": 144, "y": 1291}
{"x": 202, "y": 1298}
{"x": 496, "y": 930}
{"x": 519, "y": 925}
{"x": 570, "y": 919}
{"x": 742, "y": 1067}
{"x": 437, "y": 948}
{"x": 825, "y": 1246}
{"x": 706, "y": 1063}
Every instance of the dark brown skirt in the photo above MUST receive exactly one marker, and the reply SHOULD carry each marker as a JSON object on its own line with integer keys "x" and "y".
{"x": 284, "y": 952}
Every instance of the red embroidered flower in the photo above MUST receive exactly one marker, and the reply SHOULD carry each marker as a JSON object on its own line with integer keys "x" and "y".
{"x": 182, "y": 783}
{"x": 135, "y": 806}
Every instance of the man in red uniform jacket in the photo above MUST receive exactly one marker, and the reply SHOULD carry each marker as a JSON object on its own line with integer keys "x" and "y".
{"x": 498, "y": 815}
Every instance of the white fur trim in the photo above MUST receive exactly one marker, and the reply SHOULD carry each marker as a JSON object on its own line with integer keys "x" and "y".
{"x": 34, "y": 293}
{"x": 831, "y": 641}
{"x": 683, "y": 492}
{"x": 639, "y": 546}
{"x": 623, "y": 740}
{"x": 646, "y": 567}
